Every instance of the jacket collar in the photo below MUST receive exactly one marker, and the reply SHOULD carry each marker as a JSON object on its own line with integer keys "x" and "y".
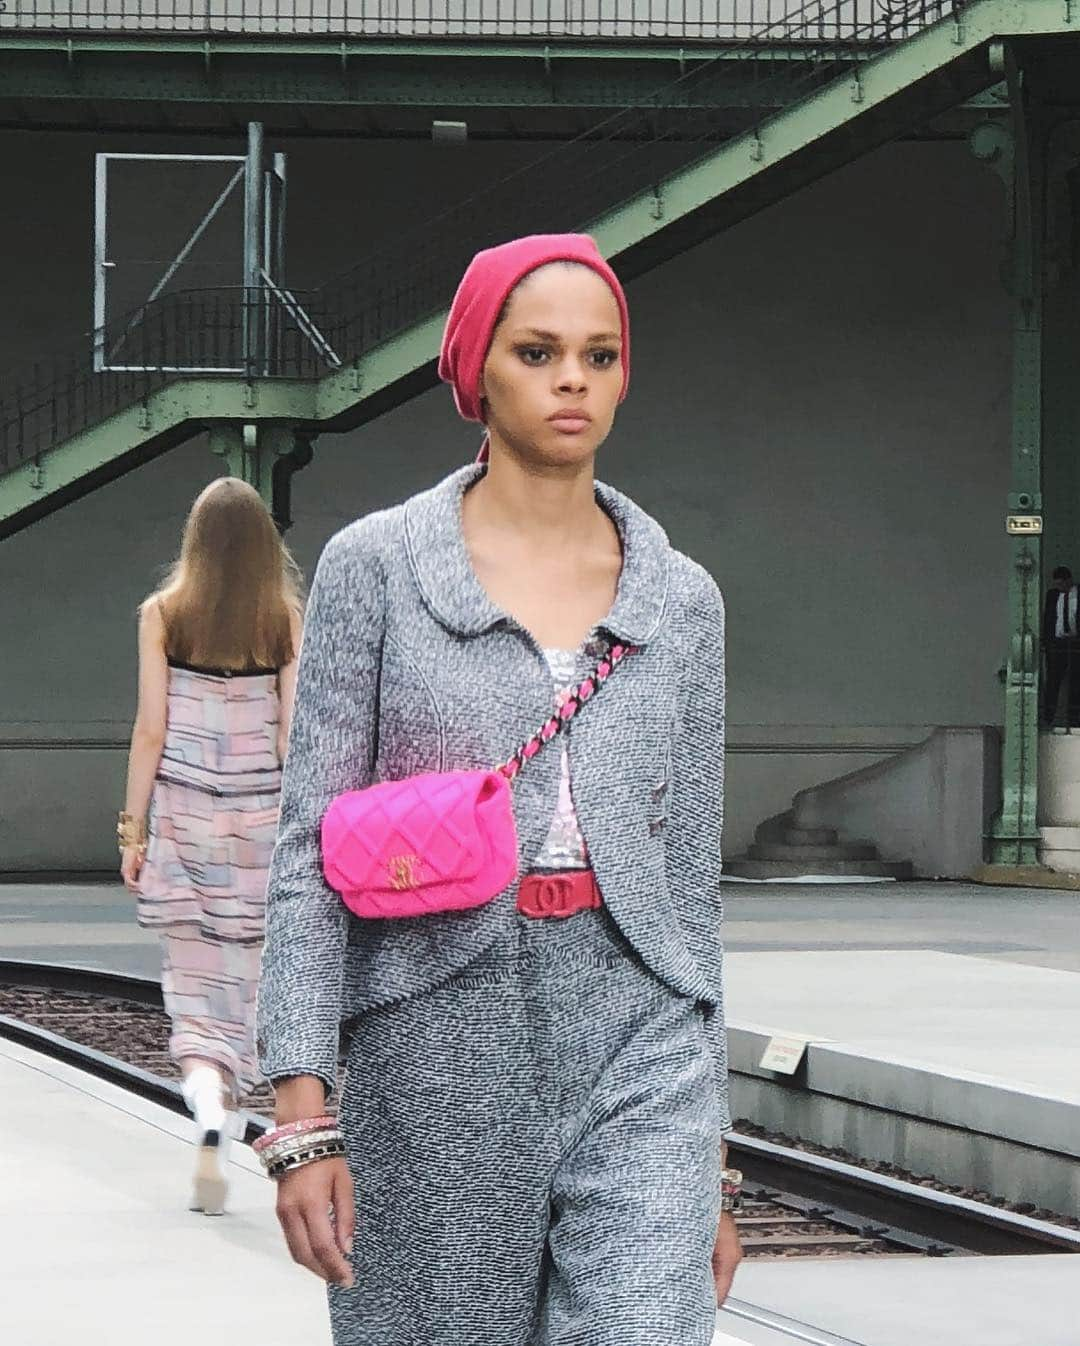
{"x": 451, "y": 590}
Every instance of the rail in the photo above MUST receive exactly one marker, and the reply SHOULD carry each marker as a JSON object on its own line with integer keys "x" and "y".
{"x": 874, "y": 1204}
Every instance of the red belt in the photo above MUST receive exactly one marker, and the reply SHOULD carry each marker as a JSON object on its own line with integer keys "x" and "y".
{"x": 562, "y": 894}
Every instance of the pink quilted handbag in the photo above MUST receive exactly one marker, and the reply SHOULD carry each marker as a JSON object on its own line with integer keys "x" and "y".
{"x": 440, "y": 841}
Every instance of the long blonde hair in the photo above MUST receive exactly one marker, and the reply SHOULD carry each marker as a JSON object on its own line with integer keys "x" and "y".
{"x": 230, "y": 597}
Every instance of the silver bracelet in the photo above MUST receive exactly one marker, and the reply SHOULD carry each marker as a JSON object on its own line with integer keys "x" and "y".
{"x": 290, "y": 1145}
{"x": 328, "y": 1150}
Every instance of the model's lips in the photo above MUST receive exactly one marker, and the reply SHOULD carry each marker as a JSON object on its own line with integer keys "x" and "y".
{"x": 570, "y": 420}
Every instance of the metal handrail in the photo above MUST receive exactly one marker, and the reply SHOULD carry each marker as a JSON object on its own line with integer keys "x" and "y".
{"x": 413, "y": 276}
{"x": 610, "y": 20}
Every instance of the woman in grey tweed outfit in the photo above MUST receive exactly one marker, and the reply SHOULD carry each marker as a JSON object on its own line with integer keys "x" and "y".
{"x": 534, "y": 1103}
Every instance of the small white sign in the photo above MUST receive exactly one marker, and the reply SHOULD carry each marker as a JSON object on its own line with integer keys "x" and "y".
{"x": 783, "y": 1055}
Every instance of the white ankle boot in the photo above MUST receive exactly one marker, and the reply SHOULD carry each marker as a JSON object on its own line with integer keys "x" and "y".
{"x": 204, "y": 1093}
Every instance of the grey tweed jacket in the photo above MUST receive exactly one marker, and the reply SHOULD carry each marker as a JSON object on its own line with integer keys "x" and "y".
{"x": 407, "y": 666}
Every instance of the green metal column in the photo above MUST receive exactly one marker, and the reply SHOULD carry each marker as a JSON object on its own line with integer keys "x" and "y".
{"x": 266, "y": 456}
{"x": 1061, "y": 348}
{"x": 245, "y": 451}
{"x": 1017, "y": 154}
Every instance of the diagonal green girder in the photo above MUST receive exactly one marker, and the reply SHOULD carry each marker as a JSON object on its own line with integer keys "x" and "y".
{"x": 899, "y": 88}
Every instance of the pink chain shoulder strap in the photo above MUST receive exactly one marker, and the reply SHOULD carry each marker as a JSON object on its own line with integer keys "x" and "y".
{"x": 570, "y": 707}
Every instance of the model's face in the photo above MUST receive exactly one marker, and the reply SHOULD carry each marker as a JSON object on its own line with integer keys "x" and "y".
{"x": 553, "y": 374}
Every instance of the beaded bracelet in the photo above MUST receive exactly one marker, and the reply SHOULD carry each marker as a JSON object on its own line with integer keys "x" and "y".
{"x": 293, "y": 1129}
{"x": 130, "y": 831}
{"x": 731, "y": 1181}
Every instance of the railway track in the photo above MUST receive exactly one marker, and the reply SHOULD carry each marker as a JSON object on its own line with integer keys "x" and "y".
{"x": 796, "y": 1204}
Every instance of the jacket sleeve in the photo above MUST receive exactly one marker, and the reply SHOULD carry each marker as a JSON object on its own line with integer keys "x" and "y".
{"x": 331, "y": 749}
{"x": 696, "y": 810}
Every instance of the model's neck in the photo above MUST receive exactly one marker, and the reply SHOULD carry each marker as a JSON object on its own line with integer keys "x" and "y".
{"x": 543, "y": 502}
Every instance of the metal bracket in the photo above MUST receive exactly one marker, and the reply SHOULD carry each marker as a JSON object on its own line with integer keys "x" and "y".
{"x": 856, "y": 86}
{"x": 1068, "y": 11}
{"x": 656, "y": 210}
{"x": 251, "y": 396}
{"x": 757, "y": 149}
{"x": 344, "y": 59}
{"x": 37, "y": 476}
{"x": 356, "y": 378}
{"x": 144, "y": 420}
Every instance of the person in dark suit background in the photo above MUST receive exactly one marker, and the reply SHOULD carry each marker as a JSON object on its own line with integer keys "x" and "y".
{"x": 1060, "y": 630}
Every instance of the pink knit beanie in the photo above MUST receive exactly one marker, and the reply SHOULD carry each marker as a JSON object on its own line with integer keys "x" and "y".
{"x": 487, "y": 283}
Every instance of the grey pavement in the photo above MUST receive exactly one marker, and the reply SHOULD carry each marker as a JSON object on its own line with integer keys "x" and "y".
{"x": 96, "y": 1241}
{"x": 98, "y": 1247}
{"x": 93, "y": 923}
{"x": 919, "y": 1301}
{"x": 1037, "y": 926}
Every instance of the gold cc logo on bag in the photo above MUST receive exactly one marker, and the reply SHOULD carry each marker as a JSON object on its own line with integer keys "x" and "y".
{"x": 404, "y": 872}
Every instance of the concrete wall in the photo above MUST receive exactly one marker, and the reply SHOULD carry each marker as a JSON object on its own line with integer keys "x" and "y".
{"x": 819, "y": 414}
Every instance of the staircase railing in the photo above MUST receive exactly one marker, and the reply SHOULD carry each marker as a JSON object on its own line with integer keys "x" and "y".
{"x": 612, "y": 20}
{"x": 412, "y": 277}
{"x": 180, "y": 335}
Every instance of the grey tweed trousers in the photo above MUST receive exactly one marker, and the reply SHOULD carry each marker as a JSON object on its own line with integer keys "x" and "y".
{"x": 536, "y": 1150}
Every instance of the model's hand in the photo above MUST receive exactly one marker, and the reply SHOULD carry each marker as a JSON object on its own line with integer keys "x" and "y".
{"x": 315, "y": 1210}
{"x": 727, "y": 1254}
{"x": 131, "y": 863}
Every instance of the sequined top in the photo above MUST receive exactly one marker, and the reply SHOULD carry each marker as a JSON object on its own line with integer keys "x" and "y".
{"x": 565, "y": 846}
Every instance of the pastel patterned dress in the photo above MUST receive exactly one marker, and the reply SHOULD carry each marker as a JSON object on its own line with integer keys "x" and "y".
{"x": 213, "y": 821}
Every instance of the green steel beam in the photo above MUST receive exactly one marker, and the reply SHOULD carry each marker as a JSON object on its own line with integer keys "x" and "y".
{"x": 835, "y": 124}
{"x": 226, "y": 74}
{"x": 73, "y": 49}
{"x": 142, "y": 74}
{"x": 126, "y": 440}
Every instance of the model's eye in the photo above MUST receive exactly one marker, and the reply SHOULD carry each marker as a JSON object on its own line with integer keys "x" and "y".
{"x": 604, "y": 359}
{"x": 532, "y": 355}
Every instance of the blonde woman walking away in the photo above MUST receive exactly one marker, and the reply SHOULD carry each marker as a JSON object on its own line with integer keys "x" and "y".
{"x": 217, "y": 671}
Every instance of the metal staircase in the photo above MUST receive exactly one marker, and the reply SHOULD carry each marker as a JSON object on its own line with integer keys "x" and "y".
{"x": 648, "y": 183}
